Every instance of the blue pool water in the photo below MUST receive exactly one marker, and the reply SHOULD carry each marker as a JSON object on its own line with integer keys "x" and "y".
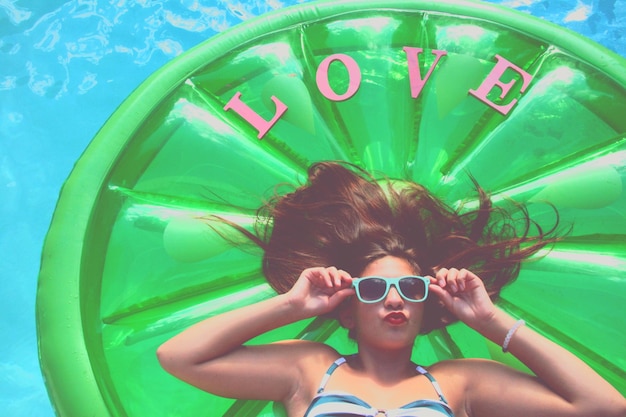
{"x": 64, "y": 68}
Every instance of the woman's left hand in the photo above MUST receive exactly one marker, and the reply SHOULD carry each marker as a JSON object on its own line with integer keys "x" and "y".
{"x": 464, "y": 295}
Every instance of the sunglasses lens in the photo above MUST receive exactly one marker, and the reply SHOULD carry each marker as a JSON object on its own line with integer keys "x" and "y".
{"x": 413, "y": 288}
{"x": 372, "y": 289}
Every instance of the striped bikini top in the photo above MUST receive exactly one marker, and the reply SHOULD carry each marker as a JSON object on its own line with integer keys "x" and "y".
{"x": 342, "y": 404}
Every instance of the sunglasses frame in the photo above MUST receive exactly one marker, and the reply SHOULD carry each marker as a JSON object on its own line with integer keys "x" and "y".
{"x": 395, "y": 282}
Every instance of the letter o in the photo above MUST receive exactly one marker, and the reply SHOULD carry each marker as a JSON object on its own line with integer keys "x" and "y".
{"x": 354, "y": 75}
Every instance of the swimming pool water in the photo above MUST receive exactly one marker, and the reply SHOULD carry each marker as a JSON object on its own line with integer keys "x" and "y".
{"x": 64, "y": 68}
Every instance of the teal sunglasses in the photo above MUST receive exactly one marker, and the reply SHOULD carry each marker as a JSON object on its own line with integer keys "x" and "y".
{"x": 374, "y": 289}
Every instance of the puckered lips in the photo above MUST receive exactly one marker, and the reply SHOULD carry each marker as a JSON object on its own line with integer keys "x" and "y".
{"x": 396, "y": 318}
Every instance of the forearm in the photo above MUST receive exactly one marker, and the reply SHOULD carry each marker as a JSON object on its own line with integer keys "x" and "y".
{"x": 216, "y": 336}
{"x": 558, "y": 369}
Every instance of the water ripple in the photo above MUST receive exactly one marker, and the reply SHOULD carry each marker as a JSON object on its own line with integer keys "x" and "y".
{"x": 58, "y": 47}
{"x": 38, "y": 83}
{"x": 207, "y": 18}
{"x": 580, "y": 13}
{"x": 16, "y": 14}
{"x": 64, "y": 42}
{"x": 90, "y": 80}
{"x": 51, "y": 37}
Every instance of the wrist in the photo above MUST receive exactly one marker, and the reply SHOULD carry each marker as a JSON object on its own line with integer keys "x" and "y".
{"x": 293, "y": 307}
{"x": 510, "y": 334}
{"x": 496, "y": 327}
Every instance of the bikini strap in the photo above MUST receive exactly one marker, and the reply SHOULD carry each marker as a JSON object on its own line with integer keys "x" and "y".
{"x": 433, "y": 381}
{"x": 329, "y": 372}
{"x": 340, "y": 361}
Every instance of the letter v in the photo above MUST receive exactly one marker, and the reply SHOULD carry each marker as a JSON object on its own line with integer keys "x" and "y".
{"x": 415, "y": 76}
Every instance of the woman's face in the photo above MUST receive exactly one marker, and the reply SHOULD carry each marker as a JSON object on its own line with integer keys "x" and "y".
{"x": 393, "y": 322}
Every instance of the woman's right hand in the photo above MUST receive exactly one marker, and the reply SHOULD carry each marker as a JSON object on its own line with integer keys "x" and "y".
{"x": 213, "y": 354}
{"x": 319, "y": 290}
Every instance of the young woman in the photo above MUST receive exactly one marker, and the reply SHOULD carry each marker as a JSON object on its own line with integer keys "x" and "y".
{"x": 389, "y": 262}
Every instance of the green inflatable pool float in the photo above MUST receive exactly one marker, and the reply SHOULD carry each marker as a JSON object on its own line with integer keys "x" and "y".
{"x": 414, "y": 89}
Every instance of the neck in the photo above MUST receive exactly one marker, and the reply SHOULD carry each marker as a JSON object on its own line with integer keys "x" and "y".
{"x": 388, "y": 367}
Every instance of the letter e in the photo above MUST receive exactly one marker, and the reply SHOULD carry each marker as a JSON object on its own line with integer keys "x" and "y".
{"x": 493, "y": 80}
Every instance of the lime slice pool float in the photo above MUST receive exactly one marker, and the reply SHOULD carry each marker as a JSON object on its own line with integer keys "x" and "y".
{"x": 533, "y": 111}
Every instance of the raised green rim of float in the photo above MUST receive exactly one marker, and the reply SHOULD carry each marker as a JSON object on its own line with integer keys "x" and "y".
{"x": 65, "y": 360}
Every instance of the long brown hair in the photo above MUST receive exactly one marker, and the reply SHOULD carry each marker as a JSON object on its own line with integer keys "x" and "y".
{"x": 344, "y": 217}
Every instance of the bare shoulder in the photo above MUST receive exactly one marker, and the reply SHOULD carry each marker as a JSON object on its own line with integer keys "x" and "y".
{"x": 306, "y": 350}
{"x": 311, "y": 358}
{"x": 468, "y": 367}
{"x": 458, "y": 377}
{"x": 454, "y": 375}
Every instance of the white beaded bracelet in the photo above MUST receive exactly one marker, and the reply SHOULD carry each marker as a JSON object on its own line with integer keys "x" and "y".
{"x": 509, "y": 335}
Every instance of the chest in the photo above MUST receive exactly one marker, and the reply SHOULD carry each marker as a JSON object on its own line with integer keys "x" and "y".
{"x": 351, "y": 394}
{"x": 383, "y": 396}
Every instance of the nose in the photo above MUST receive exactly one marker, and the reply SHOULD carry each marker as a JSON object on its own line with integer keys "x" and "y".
{"x": 393, "y": 298}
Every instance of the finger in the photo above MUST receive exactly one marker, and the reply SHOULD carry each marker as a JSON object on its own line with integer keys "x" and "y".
{"x": 434, "y": 282}
{"x": 328, "y": 277}
{"x": 472, "y": 280}
{"x": 333, "y": 275}
{"x": 441, "y": 276}
{"x": 336, "y": 298}
{"x": 322, "y": 278}
{"x": 339, "y": 277}
{"x": 462, "y": 278}
{"x": 442, "y": 294}
{"x": 345, "y": 278}
{"x": 452, "y": 280}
